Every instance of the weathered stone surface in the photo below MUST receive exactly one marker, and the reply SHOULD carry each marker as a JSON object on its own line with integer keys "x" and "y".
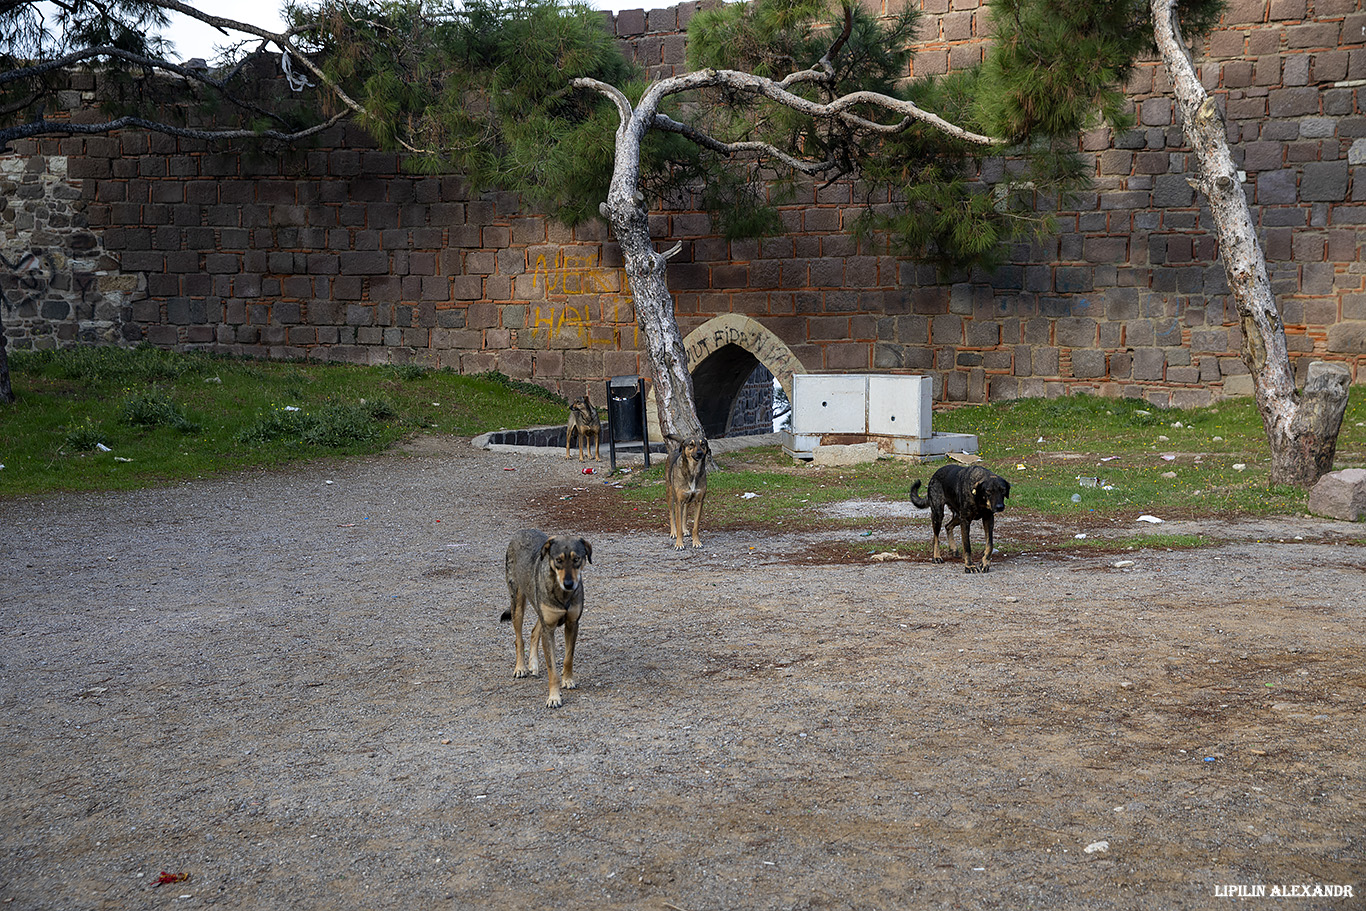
{"x": 1340, "y": 495}
{"x": 850, "y": 454}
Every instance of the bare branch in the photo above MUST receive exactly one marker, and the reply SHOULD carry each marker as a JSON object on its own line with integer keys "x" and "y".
{"x": 615, "y": 94}
{"x": 827, "y": 59}
{"x": 764, "y": 149}
{"x": 840, "y": 108}
{"x": 49, "y": 127}
{"x": 283, "y": 40}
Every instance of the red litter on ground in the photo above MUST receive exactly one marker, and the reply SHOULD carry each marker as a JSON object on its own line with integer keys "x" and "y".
{"x": 588, "y": 471}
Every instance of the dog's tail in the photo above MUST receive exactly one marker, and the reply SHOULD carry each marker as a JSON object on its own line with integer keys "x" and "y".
{"x": 919, "y": 501}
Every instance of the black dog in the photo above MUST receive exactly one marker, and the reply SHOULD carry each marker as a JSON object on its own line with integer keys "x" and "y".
{"x": 970, "y": 492}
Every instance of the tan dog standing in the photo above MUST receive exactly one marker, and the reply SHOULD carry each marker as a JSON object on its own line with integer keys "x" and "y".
{"x": 686, "y": 484}
{"x": 583, "y": 420}
{"x": 548, "y": 573}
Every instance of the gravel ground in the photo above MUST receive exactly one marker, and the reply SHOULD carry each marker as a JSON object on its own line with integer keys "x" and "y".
{"x": 293, "y": 688}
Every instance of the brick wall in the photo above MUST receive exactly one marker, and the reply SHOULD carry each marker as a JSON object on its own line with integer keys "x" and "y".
{"x": 334, "y": 253}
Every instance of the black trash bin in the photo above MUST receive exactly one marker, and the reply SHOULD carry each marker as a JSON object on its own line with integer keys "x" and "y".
{"x": 626, "y": 415}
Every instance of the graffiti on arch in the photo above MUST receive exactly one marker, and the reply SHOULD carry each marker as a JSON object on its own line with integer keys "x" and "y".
{"x": 743, "y": 332}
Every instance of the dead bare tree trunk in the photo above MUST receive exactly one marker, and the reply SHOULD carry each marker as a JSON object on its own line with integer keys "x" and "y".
{"x": 1302, "y": 428}
{"x": 646, "y": 269}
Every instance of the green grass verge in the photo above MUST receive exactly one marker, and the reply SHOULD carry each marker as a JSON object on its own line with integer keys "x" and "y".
{"x": 109, "y": 418}
{"x": 1167, "y": 462}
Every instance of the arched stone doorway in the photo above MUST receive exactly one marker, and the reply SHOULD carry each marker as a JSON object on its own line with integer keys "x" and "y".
{"x": 723, "y": 353}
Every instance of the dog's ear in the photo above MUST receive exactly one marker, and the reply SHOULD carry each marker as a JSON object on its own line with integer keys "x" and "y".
{"x": 1007, "y": 484}
{"x": 587, "y": 549}
{"x": 675, "y": 437}
{"x": 545, "y": 548}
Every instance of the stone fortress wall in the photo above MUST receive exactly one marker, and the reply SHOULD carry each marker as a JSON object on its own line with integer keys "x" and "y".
{"x": 334, "y": 253}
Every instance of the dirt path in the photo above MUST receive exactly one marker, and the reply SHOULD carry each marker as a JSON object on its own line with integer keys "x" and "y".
{"x": 293, "y": 687}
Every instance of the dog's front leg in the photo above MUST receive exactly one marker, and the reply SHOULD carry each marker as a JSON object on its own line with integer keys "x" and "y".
{"x": 571, "y": 635}
{"x": 553, "y": 701}
{"x": 678, "y": 521}
{"x": 533, "y": 645}
{"x": 988, "y": 527}
{"x": 550, "y": 618}
{"x": 968, "y": 566}
{"x": 697, "y": 519}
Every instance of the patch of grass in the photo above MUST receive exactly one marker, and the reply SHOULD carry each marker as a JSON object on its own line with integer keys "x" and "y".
{"x": 86, "y": 437}
{"x": 151, "y": 409}
{"x": 188, "y": 415}
{"x": 1172, "y": 463}
{"x": 1154, "y": 541}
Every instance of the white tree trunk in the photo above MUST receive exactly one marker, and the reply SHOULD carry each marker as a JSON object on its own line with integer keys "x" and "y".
{"x": 646, "y": 269}
{"x": 1302, "y": 430}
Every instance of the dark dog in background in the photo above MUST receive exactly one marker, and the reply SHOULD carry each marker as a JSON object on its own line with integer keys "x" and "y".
{"x": 686, "y": 486}
{"x": 970, "y": 492}
{"x": 547, "y": 573}
{"x": 583, "y": 420}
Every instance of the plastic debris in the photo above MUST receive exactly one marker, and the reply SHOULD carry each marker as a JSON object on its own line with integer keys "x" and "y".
{"x": 748, "y": 496}
{"x": 1120, "y": 564}
{"x": 291, "y": 408}
{"x": 1080, "y": 536}
{"x": 121, "y": 459}
{"x": 1076, "y": 498}
{"x": 1239, "y": 467}
{"x": 1088, "y": 482}
{"x": 103, "y": 448}
{"x": 1097, "y": 847}
{"x": 165, "y": 879}
{"x": 588, "y": 471}
{"x": 1169, "y": 458}
{"x": 1147, "y": 518}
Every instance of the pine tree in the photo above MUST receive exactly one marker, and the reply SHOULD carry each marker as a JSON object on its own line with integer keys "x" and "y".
{"x": 534, "y": 96}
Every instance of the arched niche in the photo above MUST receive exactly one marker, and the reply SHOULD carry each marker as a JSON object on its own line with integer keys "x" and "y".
{"x": 722, "y": 354}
